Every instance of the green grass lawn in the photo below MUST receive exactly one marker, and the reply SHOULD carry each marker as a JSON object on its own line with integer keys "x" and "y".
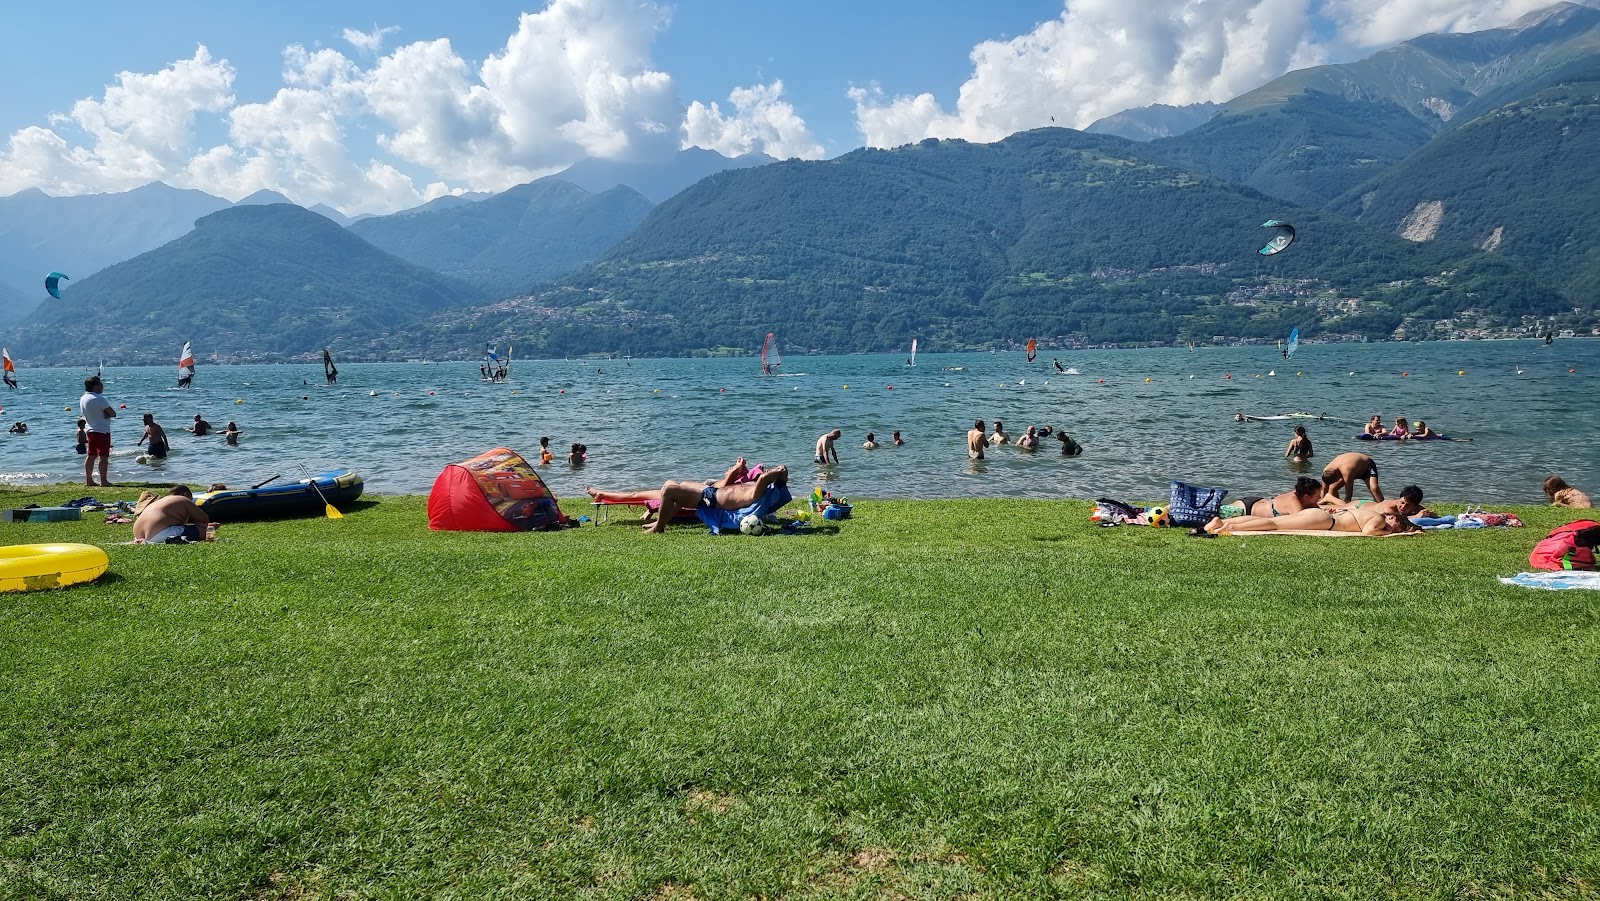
{"x": 981, "y": 699}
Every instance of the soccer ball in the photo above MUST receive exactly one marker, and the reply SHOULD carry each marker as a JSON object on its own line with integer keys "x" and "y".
{"x": 752, "y": 525}
{"x": 1157, "y": 516}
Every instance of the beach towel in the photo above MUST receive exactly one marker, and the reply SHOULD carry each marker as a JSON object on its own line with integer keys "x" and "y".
{"x": 1556, "y": 581}
{"x": 719, "y": 521}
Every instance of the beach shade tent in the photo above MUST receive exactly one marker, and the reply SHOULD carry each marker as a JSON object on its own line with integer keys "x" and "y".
{"x": 496, "y": 491}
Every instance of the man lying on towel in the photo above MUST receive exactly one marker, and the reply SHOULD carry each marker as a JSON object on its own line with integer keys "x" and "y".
{"x": 729, "y": 493}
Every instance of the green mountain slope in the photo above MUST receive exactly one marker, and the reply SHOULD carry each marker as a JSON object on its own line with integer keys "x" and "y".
{"x": 249, "y": 280}
{"x": 81, "y": 235}
{"x": 1523, "y": 180}
{"x": 1317, "y": 133}
{"x": 1051, "y": 234}
{"x": 508, "y": 243}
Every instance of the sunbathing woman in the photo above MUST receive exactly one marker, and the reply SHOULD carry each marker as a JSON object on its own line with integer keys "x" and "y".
{"x": 1316, "y": 519}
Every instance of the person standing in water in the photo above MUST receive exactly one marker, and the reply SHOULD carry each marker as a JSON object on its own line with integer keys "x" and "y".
{"x": 827, "y": 451}
{"x": 1299, "y": 450}
{"x": 977, "y": 440}
{"x": 156, "y": 435}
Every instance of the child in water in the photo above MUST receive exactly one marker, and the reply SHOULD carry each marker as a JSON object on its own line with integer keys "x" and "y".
{"x": 231, "y": 433}
{"x": 83, "y": 437}
{"x": 545, "y": 457}
{"x": 579, "y": 455}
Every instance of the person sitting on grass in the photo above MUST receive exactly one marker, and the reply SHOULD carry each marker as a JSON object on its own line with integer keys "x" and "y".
{"x": 1365, "y": 520}
{"x": 727, "y": 493}
{"x": 173, "y": 518}
{"x": 1563, "y": 495}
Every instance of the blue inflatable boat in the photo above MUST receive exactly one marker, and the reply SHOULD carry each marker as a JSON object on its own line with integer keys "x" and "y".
{"x": 282, "y": 500}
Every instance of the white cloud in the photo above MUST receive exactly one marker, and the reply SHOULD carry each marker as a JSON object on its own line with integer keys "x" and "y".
{"x": 1103, "y": 56}
{"x": 369, "y": 42}
{"x": 575, "y": 79}
{"x": 141, "y": 129}
{"x": 762, "y": 121}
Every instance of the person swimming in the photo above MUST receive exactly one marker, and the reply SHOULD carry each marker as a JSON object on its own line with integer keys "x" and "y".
{"x": 1402, "y": 428}
{"x": 1374, "y": 427}
{"x": 1421, "y": 430}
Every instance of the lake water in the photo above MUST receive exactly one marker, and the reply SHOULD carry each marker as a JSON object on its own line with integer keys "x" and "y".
{"x": 649, "y": 420}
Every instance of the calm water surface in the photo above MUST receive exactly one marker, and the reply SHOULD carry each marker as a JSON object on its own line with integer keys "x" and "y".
{"x": 649, "y": 420}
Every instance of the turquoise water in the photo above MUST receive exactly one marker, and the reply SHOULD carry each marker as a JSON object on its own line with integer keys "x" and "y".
{"x": 648, "y": 420}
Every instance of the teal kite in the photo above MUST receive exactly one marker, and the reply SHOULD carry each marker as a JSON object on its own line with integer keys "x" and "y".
{"x": 52, "y": 283}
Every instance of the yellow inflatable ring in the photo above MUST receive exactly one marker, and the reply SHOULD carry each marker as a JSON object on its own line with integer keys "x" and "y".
{"x": 29, "y": 567}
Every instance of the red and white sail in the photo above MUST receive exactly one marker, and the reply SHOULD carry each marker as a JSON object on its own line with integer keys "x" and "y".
{"x": 186, "y": 364}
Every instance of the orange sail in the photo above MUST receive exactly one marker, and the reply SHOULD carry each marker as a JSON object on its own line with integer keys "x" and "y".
{"x": 1033, "y": 349}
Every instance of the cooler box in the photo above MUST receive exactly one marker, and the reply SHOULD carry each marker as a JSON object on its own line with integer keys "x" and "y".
{"x": 41, "y": 514}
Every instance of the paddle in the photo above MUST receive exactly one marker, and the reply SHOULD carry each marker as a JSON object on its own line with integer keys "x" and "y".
{"x": 263, "y": 482}
{"x": 329, "y": 509}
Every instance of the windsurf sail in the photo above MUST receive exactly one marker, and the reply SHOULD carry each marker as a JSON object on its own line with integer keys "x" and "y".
{"x": 1294, "y": 344}
{"x": 1281, "y": 240}
{"x": 770, "y": 358}
{"x": 185, "y": 366}
{"x": 1033, "y": 349}
{"x": 11, "y": 368}
{"x": 913, "y": 360}
{"x": 329, "y": 371}
{"x": 52, "y": 284}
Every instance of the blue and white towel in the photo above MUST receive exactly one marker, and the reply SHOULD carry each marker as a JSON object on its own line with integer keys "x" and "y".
{"x": 1556, "y": 581}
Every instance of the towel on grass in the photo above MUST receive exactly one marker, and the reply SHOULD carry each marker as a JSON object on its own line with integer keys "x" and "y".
{"x": 1557, "y": 581}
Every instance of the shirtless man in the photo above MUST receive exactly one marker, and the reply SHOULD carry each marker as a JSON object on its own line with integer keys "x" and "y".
{"x": 999, "y": 436}
{"x": 1374, "y": 427}
{"x": 676, "y": 496}
{"x": 156, "y": 435}
{"x": 738, "y": 472}
{"x": 201, "y": 428}
{"x": 1029, "y": 439}
{"x": 1366, "y": 520}
{"x": 1408, "y": 504}
{"x": 976, "y": 440}
{"x": 1342, "y": 473}
{"x": 174, "y": 516}
{"x": 826, "y": 451}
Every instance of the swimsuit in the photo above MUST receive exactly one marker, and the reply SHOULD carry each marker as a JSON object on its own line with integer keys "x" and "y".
{"x": 708, "y": 497}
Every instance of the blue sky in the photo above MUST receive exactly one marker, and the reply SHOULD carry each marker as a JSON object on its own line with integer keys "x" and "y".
{"x": 314, "y": 100}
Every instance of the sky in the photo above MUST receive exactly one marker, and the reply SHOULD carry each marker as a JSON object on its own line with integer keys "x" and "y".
{"x": 377, "y": 106}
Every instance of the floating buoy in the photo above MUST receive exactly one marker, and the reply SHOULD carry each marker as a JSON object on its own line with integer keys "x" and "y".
{"x": 563, "y": 391}
{"x": 1461, "y": 372}
{"x": 430, "y": 393}
{"x": 238, "y": 402}
{"x": 723, "y": 391}
{"x": 1572, "y": 370}
{"x": 1298, "y": 374}
{"x": 847, "y": 387}
{"x": 372, "y": 394}
{"x": 122, "y": 406}
{"x": 1102, "y": 381}
{"x": 1352, "y": 373}
{"x": 66, "y": 408}
{"x": 1272, "y": 372}
{"x": 1258, "y": 375}
{"x": 891, "y": 387}
{"x": 1191, "y": 375}
{"x": 305, "y": 397}
{"x": 658, "y": 390}
{"x": 1147, "y": 380}
{"x": 1229, "y": 376}
{"x": 1404, "y": 374}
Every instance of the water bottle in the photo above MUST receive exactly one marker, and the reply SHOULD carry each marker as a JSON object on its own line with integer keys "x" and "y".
{"x": 211, "y": 531}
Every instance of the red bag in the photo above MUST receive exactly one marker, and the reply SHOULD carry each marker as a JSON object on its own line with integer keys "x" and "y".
{"x": 1562, "y": 550}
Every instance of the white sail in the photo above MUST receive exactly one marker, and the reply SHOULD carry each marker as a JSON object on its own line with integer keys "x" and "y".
{"x": 913, "y": 360}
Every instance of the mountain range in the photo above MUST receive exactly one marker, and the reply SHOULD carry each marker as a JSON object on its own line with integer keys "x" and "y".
{"x": 251, "y": 281}
{"x": 82, "y": 234}
{"x": 509, "y": 243}
{"x": 1443, "y": 186}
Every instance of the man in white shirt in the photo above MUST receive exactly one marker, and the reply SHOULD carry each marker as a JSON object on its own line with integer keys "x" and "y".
{"x": 97, "y": 415}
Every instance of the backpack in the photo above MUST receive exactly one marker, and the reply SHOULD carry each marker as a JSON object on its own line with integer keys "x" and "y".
{"x": 1568, "y": 547}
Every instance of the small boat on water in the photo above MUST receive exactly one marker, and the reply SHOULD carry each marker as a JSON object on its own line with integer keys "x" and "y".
{"x": 283, "y": 500}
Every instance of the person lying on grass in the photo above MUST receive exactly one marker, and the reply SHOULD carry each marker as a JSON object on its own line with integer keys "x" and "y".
{"x": 1365, "y": 520}
{"x": 734, "y": 491}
